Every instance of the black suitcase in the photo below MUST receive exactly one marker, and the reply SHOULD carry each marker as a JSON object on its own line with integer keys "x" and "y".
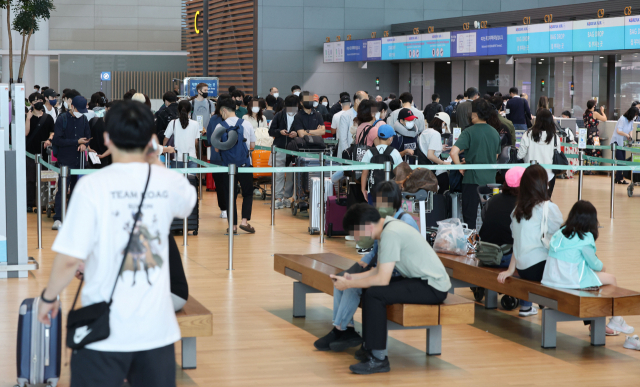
{"x": 441, "y": 210}
{"x": 193, "y": 221}
{"x": 39, "y": 347}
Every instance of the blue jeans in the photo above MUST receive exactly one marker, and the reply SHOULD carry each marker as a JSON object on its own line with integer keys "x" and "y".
{"x": 520, "y": 127}
{"x": 620, "y": 155}
{"x": 345, "y": 304}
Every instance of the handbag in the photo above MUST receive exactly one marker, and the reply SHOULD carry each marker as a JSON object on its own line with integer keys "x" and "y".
{"x": 544, "y": 228}
{"x": 559, "y": 158}
{"x": 491, "y": 254}
{"x": 91, "y": 323}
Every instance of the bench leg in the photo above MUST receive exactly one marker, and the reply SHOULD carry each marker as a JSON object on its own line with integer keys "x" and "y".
{"x": 300, "y": 291}
{"x": 549, "y": 328}
{"x": 598, "y": 331}
{"x": 490, "y": 299}
{"x": 188, "y": 353}
{"x": 434, "y": 340}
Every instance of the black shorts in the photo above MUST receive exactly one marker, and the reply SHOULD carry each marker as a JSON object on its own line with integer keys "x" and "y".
{"x": 155, "y": 367}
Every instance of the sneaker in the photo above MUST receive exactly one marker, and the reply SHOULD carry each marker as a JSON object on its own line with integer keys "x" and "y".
{"x": 278, "y": 204}
{"x": 617, "y": 323}
{"x": 622, "y": 182}
{"x": 323, "y": 343}
{"x": 364, "y": 251}
{"x": 56, "y": 225}
{"x": 532, "y": 311}
{"x": 257, "y": 192}
{"x": 632, "y": 342}
{"x": 349, "y": 338}
{"x": 349, "y": 238}
{"x": 286, "y": 203}
{"x": 223, "y": 214}
{"x": 371, "y": 366}
{"x": 361, "y": 354}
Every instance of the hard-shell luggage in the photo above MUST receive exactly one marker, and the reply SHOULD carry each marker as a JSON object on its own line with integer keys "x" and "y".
{"x": 193, "y": 221}
{"x": 315, "y": 203}
{"x": 260, "y": 159}
{"x": 211, "y": 185}
{"x": 39, "y": 347}
{"x": 302, "y": 183}
{"x": 335, "y": 210}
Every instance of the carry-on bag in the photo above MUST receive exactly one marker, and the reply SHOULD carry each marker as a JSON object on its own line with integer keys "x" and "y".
{"x": 39, "y": 346}
{"x": 335, "y": 210}
{"x": 315, "y": 203}
{"x": 193, "y": 221}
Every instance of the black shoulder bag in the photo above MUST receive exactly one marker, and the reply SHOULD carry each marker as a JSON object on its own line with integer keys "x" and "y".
{"x": 559, "y": 158}
{"x": 91, "y": 323}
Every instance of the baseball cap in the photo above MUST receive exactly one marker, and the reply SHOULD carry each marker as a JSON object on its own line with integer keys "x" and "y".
{"x": 345, "y": 99}
{"x": 50, "y": 93}
{"x": 406, "y": 114}
{"x": 315, "y": 97}
{"x": 444, "y": 117}
{"x": 80, "y": 103}
{"x": 386, "y": 132}
{"x": 513, "y": 176}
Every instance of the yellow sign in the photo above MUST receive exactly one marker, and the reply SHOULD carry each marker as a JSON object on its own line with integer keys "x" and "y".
{"x": 601, "y": 13}
{"x": 195, "y": 22}
{"x": 627, "y": 11}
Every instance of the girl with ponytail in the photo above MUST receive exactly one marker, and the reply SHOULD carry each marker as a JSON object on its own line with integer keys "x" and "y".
{"x": 183, "y": 134}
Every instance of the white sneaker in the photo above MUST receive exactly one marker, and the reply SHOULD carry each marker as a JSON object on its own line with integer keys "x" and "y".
{"x": 286, "y": 203}
{"x": 278, "y": 204}
{"x": 617, "y": 323}
{"x": 257, "y": 192}
{"x": 632, "y": 342}
{"x": 349, "y": 238}
{"x": 528, "y": 312}
{"x": 223, "y": 214}
{"x": 56, "y": 225}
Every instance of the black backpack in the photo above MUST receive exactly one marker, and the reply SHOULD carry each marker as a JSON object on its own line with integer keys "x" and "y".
{"x": 377, "y": 176}
{"x": 164, "y": 117}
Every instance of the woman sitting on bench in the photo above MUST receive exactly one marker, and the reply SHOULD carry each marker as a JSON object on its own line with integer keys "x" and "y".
{"x": 345, "y": 303}
{"x": 533, "y": 222}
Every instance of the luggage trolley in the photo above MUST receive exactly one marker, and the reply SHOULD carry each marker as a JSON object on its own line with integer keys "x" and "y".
{"x": 49, "y": 183}
{"x": 260, "y": 159}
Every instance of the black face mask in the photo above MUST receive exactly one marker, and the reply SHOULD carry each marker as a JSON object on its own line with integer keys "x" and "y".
{"x": 38, "y": 106}
{"x": 205, "y": 95}
{"x": 307, "y": 104}
{"x": 238, "y": 103}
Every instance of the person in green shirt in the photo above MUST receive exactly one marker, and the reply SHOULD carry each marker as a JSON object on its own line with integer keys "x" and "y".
{"x": 423, "y": 279}
{"x": 238, "y": 96}
{"x": 481, "y": 145}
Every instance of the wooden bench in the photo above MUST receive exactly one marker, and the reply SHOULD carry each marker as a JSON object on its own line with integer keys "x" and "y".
{"x": 312, "y": 275}
{"x": 559, "y": 304}
{"x": 195, "y": 321}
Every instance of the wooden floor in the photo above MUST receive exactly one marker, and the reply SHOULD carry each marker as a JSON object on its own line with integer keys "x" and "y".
{"x": 256, "y": 342}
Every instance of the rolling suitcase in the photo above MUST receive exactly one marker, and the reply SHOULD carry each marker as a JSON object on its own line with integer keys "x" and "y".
{"x": 314, "y": 202}
{"x": 39, "y": 347}
{"x": 334, "y": 213}
{"x": 193, "y": 221}
{"x": 260, "y": 159}
{"x": 211, "y": 185}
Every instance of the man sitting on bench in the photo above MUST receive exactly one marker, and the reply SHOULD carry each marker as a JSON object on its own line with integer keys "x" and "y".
{"x": 423, "y": 279}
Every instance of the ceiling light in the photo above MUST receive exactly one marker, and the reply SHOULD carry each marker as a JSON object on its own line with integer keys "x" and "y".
{"x": 564, "y": 62}
{"x": 541, "y": 58}
{"x": 602, "y": 57}
{"x": 448, "y": 62}
{"x": 491, "y": 61}
{"x": 539, "y": 62}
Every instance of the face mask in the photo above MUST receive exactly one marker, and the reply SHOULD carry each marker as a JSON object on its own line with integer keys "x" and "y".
{"x": 276, "y": 95}
{"x": 307, "y": 104}
{"x": 205, "y": 95}
{"x": 255, "y": 109}
{"x": 77, "y": 114}
{"x": 315, "y": 104}
{"x": 66, "y": 106}
{"x": 238, "y": 103}
{"x": 325, "y": 103}
{"x": 365, "y": 242}
{"x": 53, "y": 102}
{"x": 410, "y": 124}
{"x": 378, "y": 116}
{"x": 38, "y": 106}
{"x": 296, "y": 93}
{"x": 386, "y": 211}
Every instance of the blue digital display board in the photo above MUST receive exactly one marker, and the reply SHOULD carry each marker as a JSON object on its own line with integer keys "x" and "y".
{"x": 394, "y": 48}
{"x": 611, "y": 34}
{"x": 561, "y": 37}
{"x": 632, "y": 32}
{"x": 518, "y": 40}
{"x": 585, "y": 35}
{"x": 493, "y": 41}
{"x": 353, "y": 51}
{"x": 538, "y": 39}
{"x": 192, "y": 83}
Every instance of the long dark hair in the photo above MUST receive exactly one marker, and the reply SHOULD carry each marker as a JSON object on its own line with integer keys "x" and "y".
{"x": 544, "y": 123}
{"x": 631, "y": 114}
{"x": 261, "y": 104}
{"x": 364, "y": 111}
{"x": 184, "y": 108}
{"x": 583, "y": 218}
{"x": 533, "y": 191}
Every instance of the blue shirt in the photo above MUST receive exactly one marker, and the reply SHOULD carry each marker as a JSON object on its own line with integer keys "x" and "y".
{"x": 624, "y": 126}
{"x": 408, "y": 219}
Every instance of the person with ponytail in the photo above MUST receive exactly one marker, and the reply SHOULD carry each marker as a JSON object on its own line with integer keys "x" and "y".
{"x": 184, "y": 133}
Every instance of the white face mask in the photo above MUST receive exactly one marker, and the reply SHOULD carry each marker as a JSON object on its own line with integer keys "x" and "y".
{"x": 296, "y": 93}
{"x": 255, "y": 109}
{"x": 325, "y": 103}
{"x": 77, "y": 114}
{"x": 410, "y": 124}
{"x": 66, "y": 106}
{"x": 377, "y": 115}
{"x": 276, "y": 95}
{"x": 315, "y": 103}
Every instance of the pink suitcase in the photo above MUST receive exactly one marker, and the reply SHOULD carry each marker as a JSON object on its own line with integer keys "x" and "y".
{"x": 335, "y": 210}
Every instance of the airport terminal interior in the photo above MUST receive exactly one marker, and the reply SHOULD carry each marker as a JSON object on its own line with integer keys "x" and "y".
{"x": 514, "y": 261}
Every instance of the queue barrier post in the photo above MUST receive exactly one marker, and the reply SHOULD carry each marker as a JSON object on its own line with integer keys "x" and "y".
{"x": 64, "y": 176}
{"x": 185, "y": 221}
{"x": 613, "y": 178}
{"x": 387, "y": 170}
{"x": 38, "y": 198}
{"x": 166, "y": 159}
{"x": 322, "y": 198}
{"x": 233, "y": 170}
{"x": 200, "y": 166}
{"x": 580, "y": 175}
{"x": 273, "y": 186}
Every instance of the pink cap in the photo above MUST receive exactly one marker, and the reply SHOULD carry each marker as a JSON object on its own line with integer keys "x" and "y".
{"x": 513, "y": 176}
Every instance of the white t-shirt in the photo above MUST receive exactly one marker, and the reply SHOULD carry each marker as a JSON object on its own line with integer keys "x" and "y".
{"x": 335, "y": 121}
{"x": 53, "y": 113}
{"x": 397, "y": 159}
{"x": 249, "y": 133}
{"x": 184, "y": 139}
{"x": 96, "y": 229}
{"x": 430, "y": 139}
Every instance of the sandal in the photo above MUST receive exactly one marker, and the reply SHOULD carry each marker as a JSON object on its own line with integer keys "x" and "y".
{"x": 234, "y": 233}
{"x": 247, "y": 228}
